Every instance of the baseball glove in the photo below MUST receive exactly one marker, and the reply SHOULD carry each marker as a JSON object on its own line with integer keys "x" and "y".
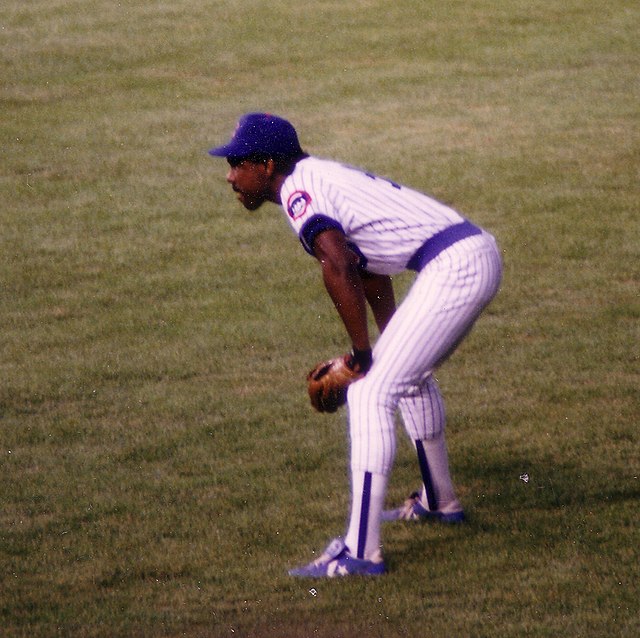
{"x": 327, "y": 383}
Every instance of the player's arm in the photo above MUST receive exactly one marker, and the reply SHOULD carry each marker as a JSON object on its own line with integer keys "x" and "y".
{"x": 344, "y": 284}
{"x": 378, "y": 291}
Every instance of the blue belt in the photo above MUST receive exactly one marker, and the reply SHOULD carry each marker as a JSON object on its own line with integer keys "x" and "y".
{"x": 439, "y": 242}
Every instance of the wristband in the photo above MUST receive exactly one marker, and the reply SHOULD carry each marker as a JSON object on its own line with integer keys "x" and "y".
{"x": 361, "y": 360}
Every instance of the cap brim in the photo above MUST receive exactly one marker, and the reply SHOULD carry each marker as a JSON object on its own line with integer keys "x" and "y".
{"x": 221, "y": 151}
{"x": 233, "y": 148}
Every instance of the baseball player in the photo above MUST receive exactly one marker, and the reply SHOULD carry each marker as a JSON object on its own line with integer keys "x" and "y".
{"x": 364, "y": 229}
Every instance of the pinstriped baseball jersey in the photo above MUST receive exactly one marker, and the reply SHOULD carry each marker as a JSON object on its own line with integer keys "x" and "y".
{"x": 385, "y": 223}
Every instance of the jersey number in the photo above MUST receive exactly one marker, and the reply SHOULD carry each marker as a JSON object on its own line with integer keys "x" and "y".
{"x": 384, "y": 179}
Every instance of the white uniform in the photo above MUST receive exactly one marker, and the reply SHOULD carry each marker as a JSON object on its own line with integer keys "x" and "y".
{"x": 393, "y": 228}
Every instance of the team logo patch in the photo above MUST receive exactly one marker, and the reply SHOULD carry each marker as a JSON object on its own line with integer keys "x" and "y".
{"x": 298, "y": 203}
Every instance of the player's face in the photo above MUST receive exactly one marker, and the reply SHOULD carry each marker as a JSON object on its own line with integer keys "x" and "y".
{"x": 250, "y": 181}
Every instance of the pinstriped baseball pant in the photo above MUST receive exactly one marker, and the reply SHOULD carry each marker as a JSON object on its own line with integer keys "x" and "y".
{"x": 440, "y": 309}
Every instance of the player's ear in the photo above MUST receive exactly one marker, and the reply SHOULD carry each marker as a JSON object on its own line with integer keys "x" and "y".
{"x": 270, "y": 167}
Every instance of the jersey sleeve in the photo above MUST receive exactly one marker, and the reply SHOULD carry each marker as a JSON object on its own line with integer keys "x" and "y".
{"x": 309, "y": 208}
{"x": 313, "y": 227}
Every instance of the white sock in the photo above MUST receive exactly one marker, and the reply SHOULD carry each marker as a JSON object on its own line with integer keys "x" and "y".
{"x": 367, "y": 493}
{"x": 437, "y": 491}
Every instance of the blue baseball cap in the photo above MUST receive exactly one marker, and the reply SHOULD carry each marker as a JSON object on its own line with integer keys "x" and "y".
{"x": 260, "y": 134}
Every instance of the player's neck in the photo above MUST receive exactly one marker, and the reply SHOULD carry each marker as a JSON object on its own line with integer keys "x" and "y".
{"x": 276, "y": 185}
{"x": 279, "y": 176}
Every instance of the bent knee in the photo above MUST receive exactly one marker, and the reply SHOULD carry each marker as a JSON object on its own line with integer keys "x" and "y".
{"x": 373, "y": 392}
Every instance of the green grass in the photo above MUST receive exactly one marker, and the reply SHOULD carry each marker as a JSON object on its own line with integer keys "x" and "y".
{"x": 160, "y": 466}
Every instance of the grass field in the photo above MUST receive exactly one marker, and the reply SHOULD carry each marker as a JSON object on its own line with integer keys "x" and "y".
{"x": 160, "y": 467}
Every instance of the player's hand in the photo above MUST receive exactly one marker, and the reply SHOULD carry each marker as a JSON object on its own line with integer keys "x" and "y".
{"x": 327, "y": 383}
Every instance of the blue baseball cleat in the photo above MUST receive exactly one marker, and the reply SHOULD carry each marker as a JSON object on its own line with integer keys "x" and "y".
{"x": 337, "y": 561}
{"x": 413, "y": 510}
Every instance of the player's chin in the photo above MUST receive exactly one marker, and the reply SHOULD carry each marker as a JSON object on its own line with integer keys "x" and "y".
{"x": 250, "y": 203}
